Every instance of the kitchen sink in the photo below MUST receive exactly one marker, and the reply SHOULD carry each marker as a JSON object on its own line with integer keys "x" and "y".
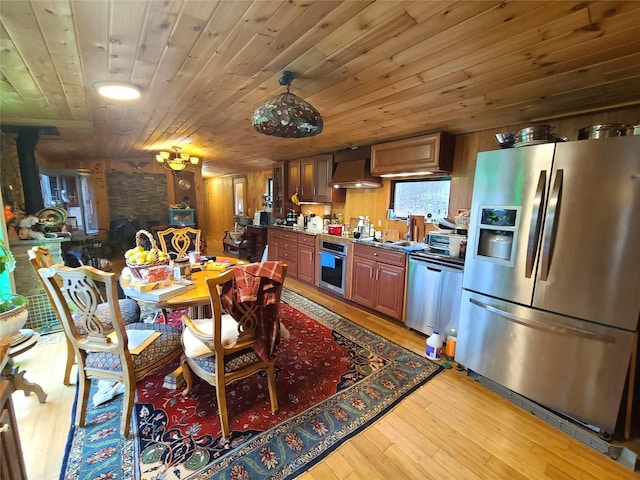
{"x": 398, "y": 245}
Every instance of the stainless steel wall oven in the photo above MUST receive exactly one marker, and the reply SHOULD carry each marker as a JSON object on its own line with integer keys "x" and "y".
{"x": 333, "y": 266}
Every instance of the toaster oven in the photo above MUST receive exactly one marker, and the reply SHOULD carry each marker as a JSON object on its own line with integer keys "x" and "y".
{"x": 440, "y": 242}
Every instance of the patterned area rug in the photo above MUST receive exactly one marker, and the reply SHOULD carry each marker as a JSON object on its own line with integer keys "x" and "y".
{"x": 334, "y": 378}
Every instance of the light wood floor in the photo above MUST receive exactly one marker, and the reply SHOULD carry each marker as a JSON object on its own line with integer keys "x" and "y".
{"x": 451, "y": 428}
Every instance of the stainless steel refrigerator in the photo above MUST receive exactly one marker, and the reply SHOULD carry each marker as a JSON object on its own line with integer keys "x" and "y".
{"x": 551, "y": 287}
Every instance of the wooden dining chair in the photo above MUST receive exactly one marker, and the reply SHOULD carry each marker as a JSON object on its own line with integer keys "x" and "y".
{"x": 40, "y": 258}
{"x": 237, "y": 344}
{"x": 177, "y": 242}
{"x": 102, "y": 350}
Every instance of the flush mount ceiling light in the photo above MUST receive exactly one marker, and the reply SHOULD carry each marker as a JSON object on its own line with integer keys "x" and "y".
{"x": 287, "y": 115}
{"x": 178, "y": 162}
{"x": 118, "y": 90}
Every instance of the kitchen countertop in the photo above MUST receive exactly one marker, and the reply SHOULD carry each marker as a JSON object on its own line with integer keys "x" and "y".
{"x": 396, "y": 247}
{"x": 415, "y": 246}
{"x": 293, "y": 229}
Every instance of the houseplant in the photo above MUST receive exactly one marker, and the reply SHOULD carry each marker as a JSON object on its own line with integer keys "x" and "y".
{"x": 13, "y": 306}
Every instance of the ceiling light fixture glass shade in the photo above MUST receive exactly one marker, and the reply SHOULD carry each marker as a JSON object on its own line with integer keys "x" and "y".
{"x": 178, "y": 162}
{"x": 287, "y": 115}
{"x": 118, "y": 90}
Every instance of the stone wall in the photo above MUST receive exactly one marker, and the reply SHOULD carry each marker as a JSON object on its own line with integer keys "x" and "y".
{"x": 141, "y": 198}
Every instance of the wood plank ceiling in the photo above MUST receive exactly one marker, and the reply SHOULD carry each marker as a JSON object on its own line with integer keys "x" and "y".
{"x": 376, "y": 70}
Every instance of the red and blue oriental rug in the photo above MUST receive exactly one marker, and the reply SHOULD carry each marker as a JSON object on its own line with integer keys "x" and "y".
{"x": 334, "y": 378}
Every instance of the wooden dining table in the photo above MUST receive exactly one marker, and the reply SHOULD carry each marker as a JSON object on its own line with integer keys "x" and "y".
{"x": 193, "y": 298}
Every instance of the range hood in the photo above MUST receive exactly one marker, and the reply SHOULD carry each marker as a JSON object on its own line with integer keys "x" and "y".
{"x": 354, "y": 174}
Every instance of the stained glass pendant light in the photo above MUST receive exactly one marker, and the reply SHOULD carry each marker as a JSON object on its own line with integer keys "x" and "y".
{"x": 287, "y": 115}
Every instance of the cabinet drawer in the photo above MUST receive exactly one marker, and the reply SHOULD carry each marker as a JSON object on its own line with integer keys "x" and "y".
{"x": 290, "y": 237}
{"x": 309, "y": 240}
{"x": 380, "y": 255}
{"x": 272, "y": 234}
{"x": 287, "y": 245}
{"x": 290, "y": 257}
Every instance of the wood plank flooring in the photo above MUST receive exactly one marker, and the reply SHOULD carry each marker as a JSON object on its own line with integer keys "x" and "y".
{"x": 451, "y": 428}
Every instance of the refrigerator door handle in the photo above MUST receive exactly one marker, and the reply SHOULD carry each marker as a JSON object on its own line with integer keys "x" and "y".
{"x": 551, "y": 225}
{"x": 535, "y": 225}
{"x": 545, "y": 327}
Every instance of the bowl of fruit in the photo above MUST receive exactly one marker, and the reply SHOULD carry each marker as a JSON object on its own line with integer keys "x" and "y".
{"x": 139, "y": 259}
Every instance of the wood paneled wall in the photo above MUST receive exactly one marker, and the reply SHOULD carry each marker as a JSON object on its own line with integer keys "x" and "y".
{"x": 218, "y": 212}
{"x": 257, "y": 185}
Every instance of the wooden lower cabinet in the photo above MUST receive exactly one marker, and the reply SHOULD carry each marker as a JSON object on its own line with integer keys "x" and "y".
{"x": 390, "y": 294}
{"x": 11, "y": 462}
{"x": 378, "y": 279}
{"x": 363, "y": 287}
{"x": 256, "y": 241}
{"x": 297, "y": 250}
{"x": 272, "y": 244}
{"x": 307, "y": 258}
{"x": 289, "y": 255}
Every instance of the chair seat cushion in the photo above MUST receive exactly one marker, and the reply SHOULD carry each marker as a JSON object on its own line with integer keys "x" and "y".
{"x": 196, "y": 348}
{"x": 166, "y": 343}
{"x": 233, "y": 362}
{"x": 129, "y": 309}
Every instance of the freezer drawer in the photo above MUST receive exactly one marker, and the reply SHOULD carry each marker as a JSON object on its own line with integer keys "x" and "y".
{"x": 571, "y": 366}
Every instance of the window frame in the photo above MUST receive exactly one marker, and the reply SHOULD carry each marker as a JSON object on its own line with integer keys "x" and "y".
{"x": 83, "y": 198}
{"x": 414, "y": 180}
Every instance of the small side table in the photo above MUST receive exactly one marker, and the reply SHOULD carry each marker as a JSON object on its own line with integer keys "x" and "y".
{"x": 13, "y": 374}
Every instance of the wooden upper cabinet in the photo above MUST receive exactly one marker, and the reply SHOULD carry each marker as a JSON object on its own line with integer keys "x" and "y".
{"x": 428, "y": 153}
{"x": 293, "y": 172}
{"x": 311, "y": 178}
{"x": 307, "y": 177}
{"x": 279, "y": 185}
{"x": 324, "y": 192}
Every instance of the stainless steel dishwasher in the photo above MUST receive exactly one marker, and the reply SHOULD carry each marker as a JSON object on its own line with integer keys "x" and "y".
{"x": 434, "y": 288}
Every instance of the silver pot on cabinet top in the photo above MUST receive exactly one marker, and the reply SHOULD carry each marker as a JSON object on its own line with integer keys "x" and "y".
{"x": 604, "y": 130}
{"x": 506, "y": 139}
{"x": 534, "y": 133}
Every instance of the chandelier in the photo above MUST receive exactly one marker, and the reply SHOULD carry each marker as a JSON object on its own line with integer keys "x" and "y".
{"x": 287, "y": 115}
{"x": 178, "y": 162}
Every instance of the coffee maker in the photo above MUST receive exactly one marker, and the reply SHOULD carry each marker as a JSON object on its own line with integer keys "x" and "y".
{"x": 292, "y": 218}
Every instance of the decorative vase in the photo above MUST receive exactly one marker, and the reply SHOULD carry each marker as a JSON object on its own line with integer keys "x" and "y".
{"x": 13, "y": 314}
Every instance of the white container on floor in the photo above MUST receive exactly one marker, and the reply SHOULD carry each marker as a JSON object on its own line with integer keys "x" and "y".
{"x": 434, "y": 346}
